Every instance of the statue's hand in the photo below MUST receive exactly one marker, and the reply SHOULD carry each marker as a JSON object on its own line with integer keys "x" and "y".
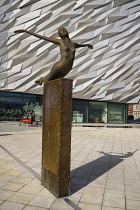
{"x": 20, "y": 31}
{"x": 90, "y": 46}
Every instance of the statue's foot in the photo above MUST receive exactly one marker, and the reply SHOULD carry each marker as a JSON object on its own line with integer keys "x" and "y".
{"x": 40, "y": 81}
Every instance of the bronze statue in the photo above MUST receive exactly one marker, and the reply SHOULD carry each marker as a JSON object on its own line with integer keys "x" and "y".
{"x": 67, "y": 48}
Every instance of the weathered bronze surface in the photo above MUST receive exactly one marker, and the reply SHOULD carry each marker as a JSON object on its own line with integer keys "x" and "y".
{"x": 56, "y": 140}
{"x": 67, "y": 49}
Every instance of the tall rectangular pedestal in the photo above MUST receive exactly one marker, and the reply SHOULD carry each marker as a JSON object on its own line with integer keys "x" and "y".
{"x": 56, "y": 136}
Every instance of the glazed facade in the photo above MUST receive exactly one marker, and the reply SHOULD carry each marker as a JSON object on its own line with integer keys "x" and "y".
{"x": 15, "y": 106}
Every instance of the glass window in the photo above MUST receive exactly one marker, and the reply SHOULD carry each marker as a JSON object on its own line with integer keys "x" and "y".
{"x": 12, "y": 112}
{"x": 28, "y": 95}
{"x": 2, "y": 111}
{"x": 2, "y": 93}
{"x": 28, "y": 100}
{"x": 14, "y": 94}
{"x": 97, "y": 112}
{"x": 32, "y": 106}
{"x": 2, "y": 100}
{"x": 116, "y": 113}
{"x": 13, "y": 108}
{"x": 80, "y": 110}
{"x": 2, "y": 107}
{"x": 14, "y": 100}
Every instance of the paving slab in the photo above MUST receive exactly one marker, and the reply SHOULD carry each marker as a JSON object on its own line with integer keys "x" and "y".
{"x": 23, "y": 198}
{"x": 11, "y": 205}
{"x": 60, "y": 204}
{"x": 105, "y": 170}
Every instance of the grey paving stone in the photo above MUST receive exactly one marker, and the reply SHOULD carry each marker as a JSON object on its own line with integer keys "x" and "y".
{"x": 132, "y": 195}
{"x": 131, "y": 176}
{"x": 34, "y": 208}
{"x": 81, "y": 176}
{"x": 133, "y": 188}
{"x": 86, "y": 152}
{"x": 45, "y": 192}
{"x": 116, "y": 180}
{"x": 101, "y": 178}
{"x": 21, "y": 198}
{"x": 131, "y": 204}
{"x": 115, "y": 174}
{"x": 94, "y": 191}
{"x": 114, "y": 186}
{"x": 60, "y": 204}
{"x": 74, "y": 188}
{"x": 12, "y": 186}
{"x": 114, "y": 193}
{"x": 22, "y": 180}
{"x": 111, "y": 208}
{"x": 42, "y": 201}
{"x": 114, "y": 202}
{"x": 11, "y": 206}
{"x": 6, "y": 178}
{"x": 130, "y": 169}
{"x": 129, "y": 162}
{"x": 75, "y": 196}
{"x": 96, "y": 184}
{"x": 89, "y": 198}
{"x": 99, "y": 172}
{"x": 131, "y": 181}
{"x": 87, "y": 206}
{"x": 27, "y": 174}
{"x": 79, "y": 181}
{"x": 32, "y": 189}
{"x": 5, "y": 194}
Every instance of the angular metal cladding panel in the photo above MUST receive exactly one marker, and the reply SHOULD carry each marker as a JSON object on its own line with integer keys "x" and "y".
{"x": 56, "y": 138}
{"x": 112, "y": 27}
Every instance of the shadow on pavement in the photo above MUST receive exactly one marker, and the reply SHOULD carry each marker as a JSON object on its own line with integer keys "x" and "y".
{"x": 84, "y": 175}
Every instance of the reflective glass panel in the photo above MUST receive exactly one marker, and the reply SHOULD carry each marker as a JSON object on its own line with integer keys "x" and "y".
{"x": 14, "y": 94}
{"x": 2, "y": 93}
{"x": 80, "y": 111}
{"x": 116, "y": 113}
{"x": 2, "y": 107}
{"x": 32, "y": 107}
{"x": 97, "y": 112}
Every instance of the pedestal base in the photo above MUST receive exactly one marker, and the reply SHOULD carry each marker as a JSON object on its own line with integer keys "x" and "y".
{"x": 56, "y": 136}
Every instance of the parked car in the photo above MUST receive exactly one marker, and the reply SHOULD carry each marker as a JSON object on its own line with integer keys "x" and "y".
{"x": 137, "y": 121}
{"x": 130, "y": 117}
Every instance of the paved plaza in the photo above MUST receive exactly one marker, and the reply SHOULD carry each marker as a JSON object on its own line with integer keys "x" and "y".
{"x": 105, "y": 169}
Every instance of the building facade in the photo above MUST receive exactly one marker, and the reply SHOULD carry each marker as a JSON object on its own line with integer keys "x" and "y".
{"x": 136, "y": 111}
{"x": 130, "y": 109}
{"x": 15, "y": 106}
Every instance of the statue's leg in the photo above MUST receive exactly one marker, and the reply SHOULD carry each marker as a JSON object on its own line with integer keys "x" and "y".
{"x": 41, "y": 80}
{"x": 55, "y": 73}
{"x": 58, "y": 75}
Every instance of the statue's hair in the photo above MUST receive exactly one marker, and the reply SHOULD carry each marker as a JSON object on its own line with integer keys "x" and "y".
{"x": 61, "y": 29}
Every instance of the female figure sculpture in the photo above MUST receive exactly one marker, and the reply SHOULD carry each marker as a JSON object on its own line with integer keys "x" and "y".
{"x": 67, "y": 50}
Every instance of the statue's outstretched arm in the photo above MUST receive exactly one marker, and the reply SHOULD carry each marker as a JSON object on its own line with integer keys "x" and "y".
{"x": 83, "y": 45}
{"x": 55, "y": 41}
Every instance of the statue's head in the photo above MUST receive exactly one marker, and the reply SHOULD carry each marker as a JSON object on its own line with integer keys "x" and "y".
{"x": 62, "y": 32}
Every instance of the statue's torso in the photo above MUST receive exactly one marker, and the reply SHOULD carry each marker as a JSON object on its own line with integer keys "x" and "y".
{"x": 67, "y": 52}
